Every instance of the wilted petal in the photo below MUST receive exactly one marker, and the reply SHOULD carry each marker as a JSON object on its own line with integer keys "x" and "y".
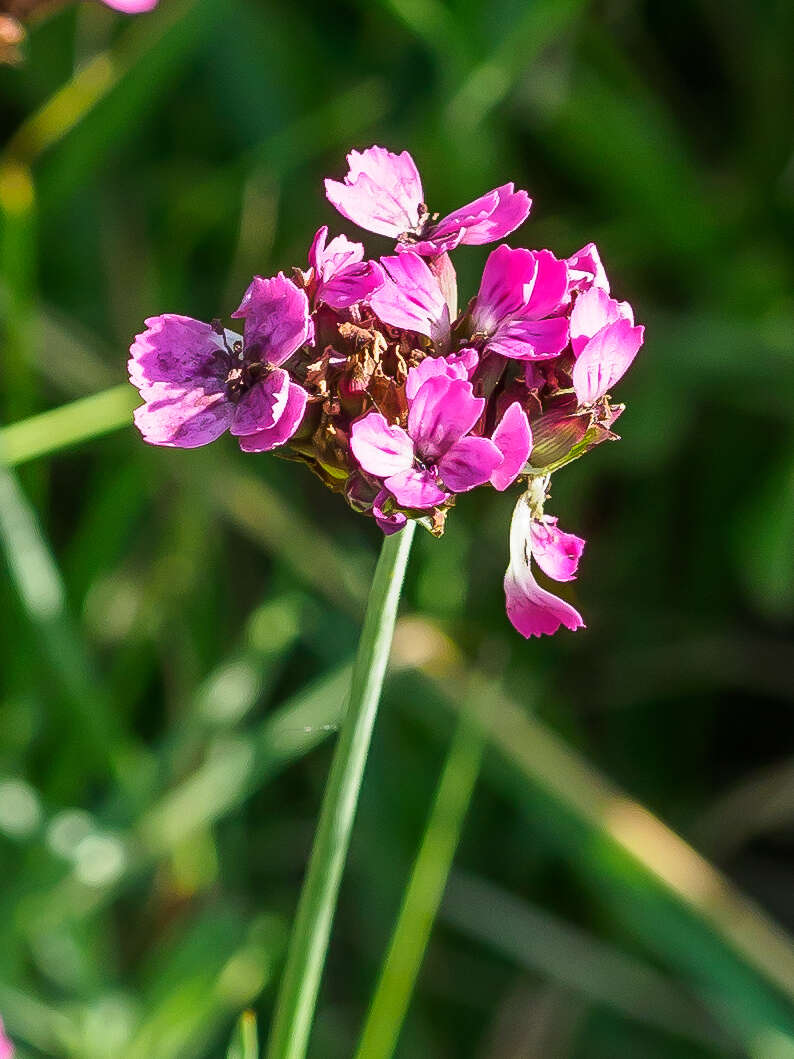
{"x": 284, "y": 427}
{"x": 262, "y": 406}
{"x": 381, "y": 448}
{"x": 454, "y": 366}
{"x": 277, "y": 320}
{"x": 184, "y": 421}
{"x": 557, "y": 553}
{"x": 593, "y": 310}
{"x": 513, "y": 438}
{"x": 415, "y": 489}
{"x": 381, "y": 192}
{"x": 585, "y": 270}
{"x": 411, "y": 298}
{"x": 391, "y": 521}
{"x": 605, "y": 359}
{"x": 469, "y": 463}
{"x": 442, "y": 412}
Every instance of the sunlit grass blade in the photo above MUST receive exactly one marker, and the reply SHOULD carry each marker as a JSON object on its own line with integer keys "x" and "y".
{"x": 423, "y": 893}
{"x": 294, "y": 1012}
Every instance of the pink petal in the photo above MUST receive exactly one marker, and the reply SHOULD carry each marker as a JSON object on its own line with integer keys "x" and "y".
{"x": 277, "y": 320}
{"x": 593, "y": 310}
{"x": 6, "y": 1047}
{"x": 415, "y": 489}
{"x": 131, "y": 7}
{"x": 185, "y": 420}
{"x": 513, "y": 438}
{"x": 381, "y": 192}
{"x": 506, "y": 283}
{"x": 389, "y": 523}
{"x": 262, "y": 406}
{"x": 454, "y": 366}
{"x": 557, "y": 553}
{"x": 585, "y": 270}
{"x": 354, "y": 283}
{"x": 469, "y": 463}
{"x": 381, "y": 448}
{"x": 175, "y": 354}
{"x": 441, "y": 413}
{"x": 328, "y": 260}
{"x": 411, "y": 298}
{"x": 510, "y": 210}
{"x": 549, "y": 286}
{"x": 284, "y": 427}
{"x": 524, "y": 339}
{"x": 605, "y": 359}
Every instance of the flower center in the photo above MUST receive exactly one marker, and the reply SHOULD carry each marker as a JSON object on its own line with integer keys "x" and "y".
{"x": 413, "y": 235}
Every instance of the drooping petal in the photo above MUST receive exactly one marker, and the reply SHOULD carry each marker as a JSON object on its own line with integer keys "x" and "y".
{"x": 593, "y": 310}
{"x": 585, "y": 270}
{"x": 505, "y": 286}
{"x": 381, "y": 448}
{"x": 557, "y": 553}
{"x": 549, "y": 286}
{"x": 525, "y": 339}
{"x": 469, "y": 463}
{"x": 453, "y": 366}
{"x": 177, "y": 353}
{"x": 415, "y": 489}
{"x": 411, "y": 298}
{"x": 381, "y": 192}
{"x": 513, "y": 438}
{"x": 605, "y": 359}
{"x": 184, "y": 420}
{"x": 442, "y": 412}
{"x": 261, "y": 406}
{"x": 532, "y": 610}
{"x": 283, "y": 428}
{"x": 389, "y": 521}
{"x": 277, "y": 320}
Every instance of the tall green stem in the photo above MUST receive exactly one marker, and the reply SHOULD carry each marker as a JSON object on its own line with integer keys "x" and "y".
{"x": 292, "y": 1021}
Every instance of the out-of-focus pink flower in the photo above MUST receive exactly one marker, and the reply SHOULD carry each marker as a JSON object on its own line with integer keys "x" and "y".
{"x": 131, "y": 7}
{"x": 199, "y": 380}
{"x": 533, "y": 610}
{"x": 435, "y": 456}
{"x": 382, "y": 192}
{"x": 410, "y": 297}
{"x": 6, "y": 1047}
{"x": 339, "y": 276}
{"x": 604, "y": 341}
{"x": 518, "y": 309}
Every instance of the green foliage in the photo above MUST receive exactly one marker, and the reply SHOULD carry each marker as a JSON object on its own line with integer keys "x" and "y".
{"x": 176, "y": 628}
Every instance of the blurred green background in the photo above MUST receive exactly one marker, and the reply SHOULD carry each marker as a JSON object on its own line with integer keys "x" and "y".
{"x": 175, "y": 626}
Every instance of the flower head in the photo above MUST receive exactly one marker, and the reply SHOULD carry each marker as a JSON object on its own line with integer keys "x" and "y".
{"x": 382, "y": 192}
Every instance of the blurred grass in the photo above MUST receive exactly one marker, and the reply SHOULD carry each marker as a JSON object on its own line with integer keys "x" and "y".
{"x": 176, "y": 626}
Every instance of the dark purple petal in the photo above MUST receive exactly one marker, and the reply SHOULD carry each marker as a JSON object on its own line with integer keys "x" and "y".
{"x": 277, "y": 321}
{"x": 415, "y": 489}
{"x": 390, "y": 522}
{"x": 441, "y": 413}
{"x": 381, "y": 448}
{"x": 513, "y": 438}
{"x": 184, "y": 421}
{"x": 283, "y": 429}
{"x": 469, "y": 463}
{"x": 175, "y": 354}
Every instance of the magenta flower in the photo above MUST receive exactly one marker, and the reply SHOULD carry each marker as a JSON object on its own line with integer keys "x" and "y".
{"x": 6, "y": 1047}
{"x": 130, "y": 7}
{"x": 198, "y": 380}
{"x": 382, "y": 192}
{"x": 410, "y": 297}
{"x": 518, "y": 311}
{"x": 585, "y": 270}
{"x": 533, "y": 610}
{"x": 604, "y": 341}
{"x": 339, "y": 276}
{"x": 435, "y": 455}
{"x": 513, "y": 438}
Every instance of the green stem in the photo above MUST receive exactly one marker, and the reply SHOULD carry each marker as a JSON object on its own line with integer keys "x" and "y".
{"x": 423, "y": 894}
{"x": 292, "y": 1021}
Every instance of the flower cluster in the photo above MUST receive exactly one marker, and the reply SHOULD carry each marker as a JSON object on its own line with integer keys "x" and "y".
{"x": 367, "y": 372}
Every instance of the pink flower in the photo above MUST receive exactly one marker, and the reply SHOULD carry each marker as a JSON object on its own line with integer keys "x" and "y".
{"x": 6, "y": 1047}
{"x": 518, "y": 308}
{"x": 130, "y": 7}
{"x": 604, "y": 341}
{"x": 434, "y": 457}
{"x": 585, "y": 270}
{"x": 382, "y": 192}
{"x": 513, "y": 438}
{"x": 198, "y": 380}
{"x": 533, "y": 610}
{"x": 339, "y": 275}
{"x": 410, "y": 297}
